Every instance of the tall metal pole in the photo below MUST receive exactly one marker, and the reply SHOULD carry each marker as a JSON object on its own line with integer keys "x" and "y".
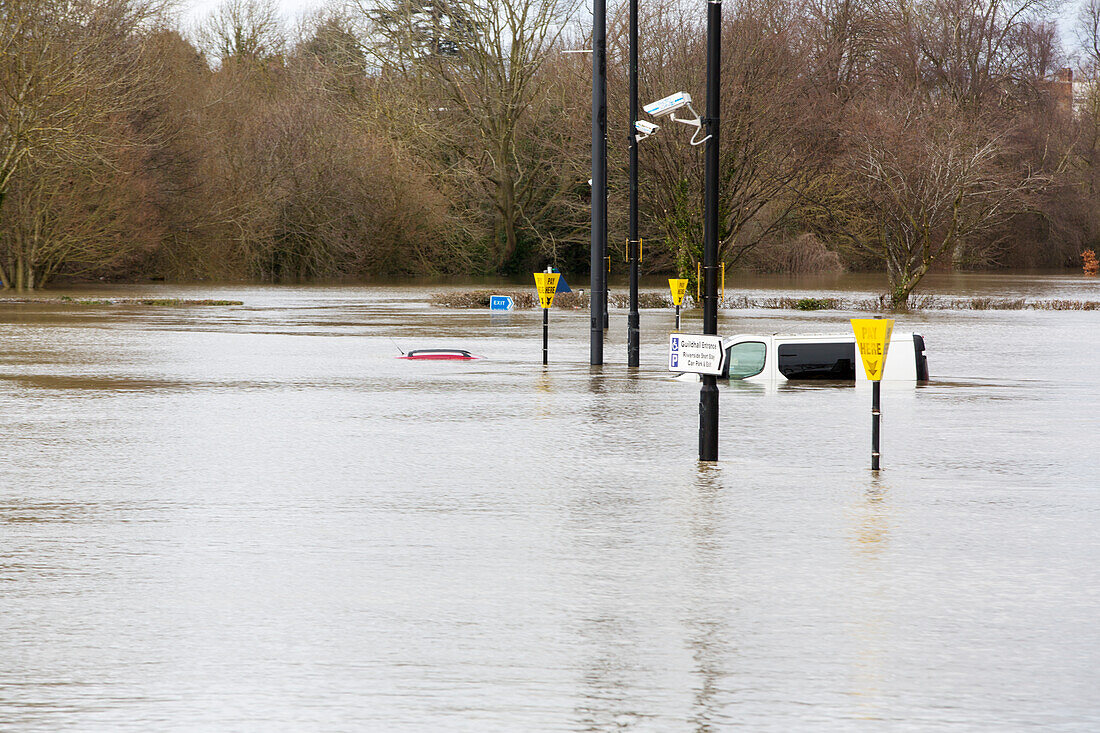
{"x": 876, "y": 413}
{"x": 632, "y": 244}
{"x": 598, "y": 294}
{"x": 708, "y": 395}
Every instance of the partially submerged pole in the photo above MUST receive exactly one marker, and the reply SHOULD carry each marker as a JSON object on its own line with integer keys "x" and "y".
{"x": 633, "y": 330}
{"x": 873, "y": 342}
{"x": 597, "y": 296}
{"x": 708, "y": 395}
{"x": 876, "y": 415}
{"x": 546, "y": 284}
{"x": 677, "y": 286}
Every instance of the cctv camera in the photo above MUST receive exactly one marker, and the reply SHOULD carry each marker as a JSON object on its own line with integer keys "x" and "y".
{"x": 668, "y": 105}
{"x": 644, "y": 129}
{"x": 667, "y": 108}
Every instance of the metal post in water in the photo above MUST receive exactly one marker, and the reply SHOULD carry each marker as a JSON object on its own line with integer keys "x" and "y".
{"x": 545, "y": 336}
{"x": 876, "y": 414}
{"x": 708, "y": 395}
{"x": 598, "y": 295}
{"x": 633, "y": 330}
{"x": 677, "y": 317}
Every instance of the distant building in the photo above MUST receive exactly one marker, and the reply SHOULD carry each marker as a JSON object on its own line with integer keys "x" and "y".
{"x": 1061, "y": 90}
{"x": 1068, "y": 96}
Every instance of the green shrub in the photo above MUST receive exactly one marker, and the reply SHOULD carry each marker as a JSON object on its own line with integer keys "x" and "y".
{"x": 815, "y": 304}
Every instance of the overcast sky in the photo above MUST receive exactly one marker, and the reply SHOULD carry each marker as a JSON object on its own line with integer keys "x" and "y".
{"x": 193, "y": 10}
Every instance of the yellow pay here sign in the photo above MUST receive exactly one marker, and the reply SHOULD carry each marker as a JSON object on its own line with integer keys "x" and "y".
{"x": 873, "y": 339}
{"x": 547, "y": 284}
{"x": 678, "y": 287}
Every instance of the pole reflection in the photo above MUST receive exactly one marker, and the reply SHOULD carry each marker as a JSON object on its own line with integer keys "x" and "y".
{"x": 607, "y": 701}
{"x": 870, "y": 536}
{"x": 871, "y": 533}
{"x": 707, "y": 625}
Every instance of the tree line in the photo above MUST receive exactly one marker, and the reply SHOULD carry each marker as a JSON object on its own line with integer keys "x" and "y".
{"x": 412, "y": 137}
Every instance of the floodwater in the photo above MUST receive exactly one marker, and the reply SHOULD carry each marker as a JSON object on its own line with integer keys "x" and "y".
{"x": 255, "y": 518}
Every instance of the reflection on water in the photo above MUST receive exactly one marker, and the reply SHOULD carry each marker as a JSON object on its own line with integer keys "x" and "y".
{"x": 708, "y": 632}
{"x": 256, "y": 518}
{"x": 871, "y": 543}
{"x": 872, "y": 531}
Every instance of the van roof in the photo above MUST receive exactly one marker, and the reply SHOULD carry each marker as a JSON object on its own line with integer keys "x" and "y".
{"x": 807, "y": 335}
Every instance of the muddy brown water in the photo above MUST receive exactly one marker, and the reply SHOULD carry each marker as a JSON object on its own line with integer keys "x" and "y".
{"x": 255, "y": 518}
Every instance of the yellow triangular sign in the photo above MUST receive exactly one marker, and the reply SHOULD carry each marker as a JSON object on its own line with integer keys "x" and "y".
{"x": 678, "y": 286}
{"x": 873, "y": 340}
{"x": 546, "y": 283}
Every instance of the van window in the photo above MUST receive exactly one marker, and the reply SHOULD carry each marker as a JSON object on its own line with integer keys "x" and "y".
{"x": 818, "y": 361}
{"x": 745, "y": 359}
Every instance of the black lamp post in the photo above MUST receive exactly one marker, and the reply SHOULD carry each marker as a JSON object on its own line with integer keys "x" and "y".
{"x": 598, "y": 290}
{"x": 632, "y": 244}
{"x": 708, "y": 395}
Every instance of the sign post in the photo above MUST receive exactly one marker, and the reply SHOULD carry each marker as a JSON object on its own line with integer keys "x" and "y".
{"x": 678, "y": 286}
{"x": 873, "y": 340}
{"x": 546, "y": 283}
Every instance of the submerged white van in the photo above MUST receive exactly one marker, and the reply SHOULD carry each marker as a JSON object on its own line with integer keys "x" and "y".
{"x": 827, "y": 357}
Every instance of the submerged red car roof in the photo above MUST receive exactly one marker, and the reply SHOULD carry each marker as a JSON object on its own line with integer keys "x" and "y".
{"x": 439, "y": 354}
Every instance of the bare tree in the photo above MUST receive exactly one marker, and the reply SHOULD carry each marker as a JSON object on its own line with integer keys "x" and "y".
{"x": 918, "y": 180}
{"x": 773, "y": 128}
{"x": 298, "y": 188}
{"x": 1087, "y": 31}
{"x": 243, "y": 30}
{"x": 842, "y": 41}
{"x": 72, "y": 73}
{"x": 972, "y": 50}
{"x": 329, "y": 40}
{"x": 476, "y": 65}
{"x": 82, "y": 220}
